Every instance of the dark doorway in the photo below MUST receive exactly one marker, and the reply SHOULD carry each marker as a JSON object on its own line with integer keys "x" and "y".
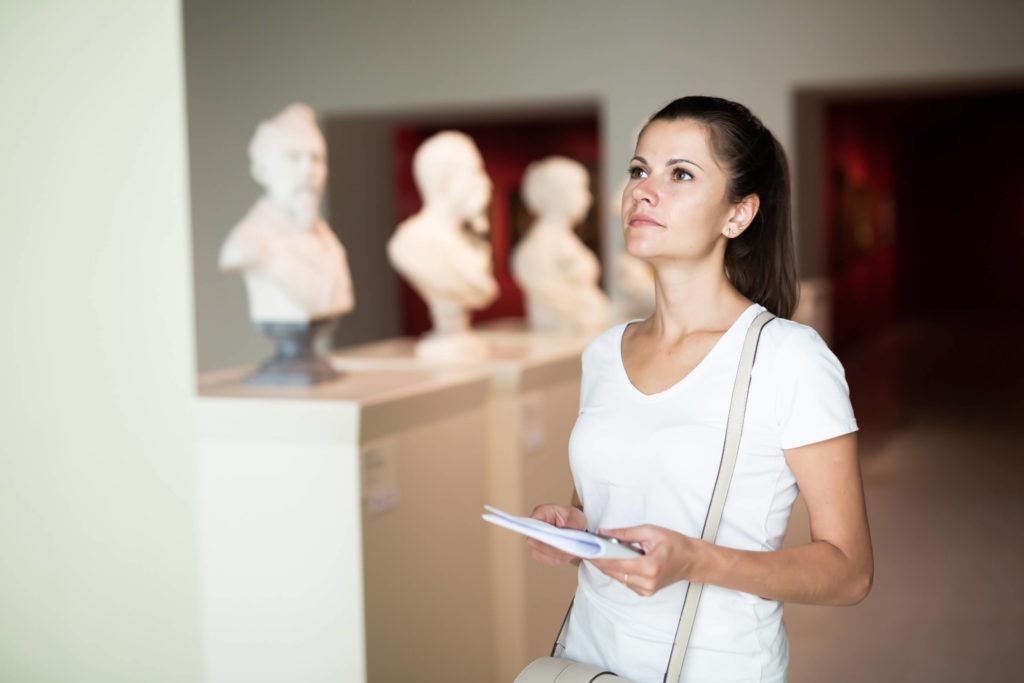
{"x": 921, "y": 204}
{"x": 912, "y": 209}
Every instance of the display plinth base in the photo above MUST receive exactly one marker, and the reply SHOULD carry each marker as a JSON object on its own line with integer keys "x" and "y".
{"x": 317, "y": 505}
{"x": 534, "y": 400}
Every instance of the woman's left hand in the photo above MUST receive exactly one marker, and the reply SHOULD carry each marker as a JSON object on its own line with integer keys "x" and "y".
{"x": 668, "y": 557}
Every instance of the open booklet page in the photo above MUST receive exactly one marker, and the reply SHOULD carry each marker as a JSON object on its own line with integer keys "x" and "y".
{"x": 573, "y": 541}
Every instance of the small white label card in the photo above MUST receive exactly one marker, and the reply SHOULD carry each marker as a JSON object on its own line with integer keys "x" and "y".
{"x": 380, "y": 475}
{"x": 532, "y": 422}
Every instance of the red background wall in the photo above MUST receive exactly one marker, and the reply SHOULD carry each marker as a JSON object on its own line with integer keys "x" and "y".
{"x": 507, "y": 149}
{"x": 924, "y": 208}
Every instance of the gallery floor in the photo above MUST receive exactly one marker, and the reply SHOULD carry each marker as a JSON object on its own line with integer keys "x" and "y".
{"x": 941, "y": 406}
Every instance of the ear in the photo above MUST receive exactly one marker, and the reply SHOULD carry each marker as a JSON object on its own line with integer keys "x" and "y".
{"x": 445, "y": 183}
{"x": 741, "y": 216}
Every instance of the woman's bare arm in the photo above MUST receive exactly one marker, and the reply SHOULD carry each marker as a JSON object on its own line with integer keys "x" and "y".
{"x": 835, "y": 568}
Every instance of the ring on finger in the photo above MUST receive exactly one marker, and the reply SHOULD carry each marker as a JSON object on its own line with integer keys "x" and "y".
{"x": 625, "y": 579}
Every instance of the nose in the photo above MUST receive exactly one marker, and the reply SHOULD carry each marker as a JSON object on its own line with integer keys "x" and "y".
{"x": 644, "y": 191}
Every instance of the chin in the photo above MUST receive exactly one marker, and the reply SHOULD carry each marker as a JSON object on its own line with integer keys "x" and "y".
{"x": 638, "y": 246}
{"x": 638, "y": 251}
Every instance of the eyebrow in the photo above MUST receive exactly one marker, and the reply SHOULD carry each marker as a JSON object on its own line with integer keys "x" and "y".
{"x": 670, "y": 162}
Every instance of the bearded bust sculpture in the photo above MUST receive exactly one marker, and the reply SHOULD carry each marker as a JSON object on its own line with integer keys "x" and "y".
{"x": 295, "y": 269}
{"x": 442, "y": 251}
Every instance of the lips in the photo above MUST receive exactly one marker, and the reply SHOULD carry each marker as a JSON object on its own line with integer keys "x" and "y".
{"x": 639, "y": 220}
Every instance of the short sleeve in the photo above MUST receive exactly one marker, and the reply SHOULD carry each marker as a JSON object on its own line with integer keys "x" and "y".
{"x": 591, "y": 362}
{"x": 813, "y": 399}
{"x": 586, "y": 375}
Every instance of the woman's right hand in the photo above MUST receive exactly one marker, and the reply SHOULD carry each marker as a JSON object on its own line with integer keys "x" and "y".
{"x": 564, "y": 516}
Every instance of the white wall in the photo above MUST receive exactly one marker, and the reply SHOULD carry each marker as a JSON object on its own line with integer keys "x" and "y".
{"x": 246, "y": 61}
{"x": 98, "y": 566}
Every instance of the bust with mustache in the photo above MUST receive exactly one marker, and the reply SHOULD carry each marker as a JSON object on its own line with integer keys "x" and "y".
{"x": 295, "y": 269}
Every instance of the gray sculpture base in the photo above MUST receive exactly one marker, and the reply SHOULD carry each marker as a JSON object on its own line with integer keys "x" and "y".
{"x": 296, "y": 363}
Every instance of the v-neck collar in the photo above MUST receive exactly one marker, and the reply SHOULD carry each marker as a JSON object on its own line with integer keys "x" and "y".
{"x": 745, "y": 317}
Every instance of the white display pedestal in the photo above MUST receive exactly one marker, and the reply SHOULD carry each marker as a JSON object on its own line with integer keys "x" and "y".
{"x": 297, "y": 554}
{"x": 534, "y": 400}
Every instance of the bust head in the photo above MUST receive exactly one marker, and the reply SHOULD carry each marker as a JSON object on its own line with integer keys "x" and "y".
{"x": 557, "y": 187}
{"x": 288, "y": 157}
{"x": 449, "y": 171}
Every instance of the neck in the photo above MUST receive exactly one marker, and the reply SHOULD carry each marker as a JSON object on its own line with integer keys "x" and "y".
{"x": 556, "y": 223}
{"x": 694, "y": 296}
{"x": 440, "y": 215}
{"x": 300, "y": 216}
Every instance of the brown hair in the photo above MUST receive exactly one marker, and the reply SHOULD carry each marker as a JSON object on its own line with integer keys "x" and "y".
{"x": 760, "y": 262}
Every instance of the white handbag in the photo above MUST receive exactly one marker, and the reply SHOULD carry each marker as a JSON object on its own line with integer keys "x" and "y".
{"x": 557, "y": 669}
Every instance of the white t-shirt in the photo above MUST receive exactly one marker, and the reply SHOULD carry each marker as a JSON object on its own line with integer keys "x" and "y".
{"x": 652, "y": 459}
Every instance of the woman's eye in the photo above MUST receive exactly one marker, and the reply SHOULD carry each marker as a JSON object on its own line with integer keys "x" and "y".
{"x": 682, "y": 174}
{"x": 637, "y": 172}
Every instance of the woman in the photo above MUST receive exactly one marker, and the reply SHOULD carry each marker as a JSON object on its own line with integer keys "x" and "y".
{"x": 707, "y": 206}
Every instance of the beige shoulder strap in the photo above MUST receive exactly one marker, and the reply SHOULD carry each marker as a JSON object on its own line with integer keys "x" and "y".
{"x": 730, "y": 450}
{"x": 733, "y": 430}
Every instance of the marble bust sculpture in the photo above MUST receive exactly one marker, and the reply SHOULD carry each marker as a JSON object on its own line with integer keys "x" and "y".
{"x": 556, "y": 271}
{"x": 442, "y": 251}
{"x": 295, "y": 269}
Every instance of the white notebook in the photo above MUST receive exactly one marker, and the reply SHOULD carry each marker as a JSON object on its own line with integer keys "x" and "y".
{"x": 573, "y": 541}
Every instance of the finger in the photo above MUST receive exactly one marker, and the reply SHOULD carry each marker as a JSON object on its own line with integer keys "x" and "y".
{"x": 628, "y": 573}
{"x": 637, "y": 565}
{"x": 641, "y": 590}
{"x": 609, "y": 567}
{"x": 616, "y": 533}
{"x": 554, "y": 515}
{"x": 544, "y": 513}
{"x": 641, "y": 571}
{"x": 635, "y": 581}
{"x": 644, "y": 532}
{"x": 619, "y": 576}
{"x": 615, "y": 569}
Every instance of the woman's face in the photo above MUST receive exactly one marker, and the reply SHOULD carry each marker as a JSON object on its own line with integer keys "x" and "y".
{"x": 674, "y": 206}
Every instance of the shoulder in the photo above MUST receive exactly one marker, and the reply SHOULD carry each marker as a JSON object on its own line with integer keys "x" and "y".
{"x": 808, "y": 385}
{"x": 253, "y": 222}
{"x": 791, "y": 344}
{"x": 406, "y": 229}
{"x": 248, "y": 239}
{"x": 407, "y": 238}
{"x": 605, "y": 347}
{"x": 328, "y": 237}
